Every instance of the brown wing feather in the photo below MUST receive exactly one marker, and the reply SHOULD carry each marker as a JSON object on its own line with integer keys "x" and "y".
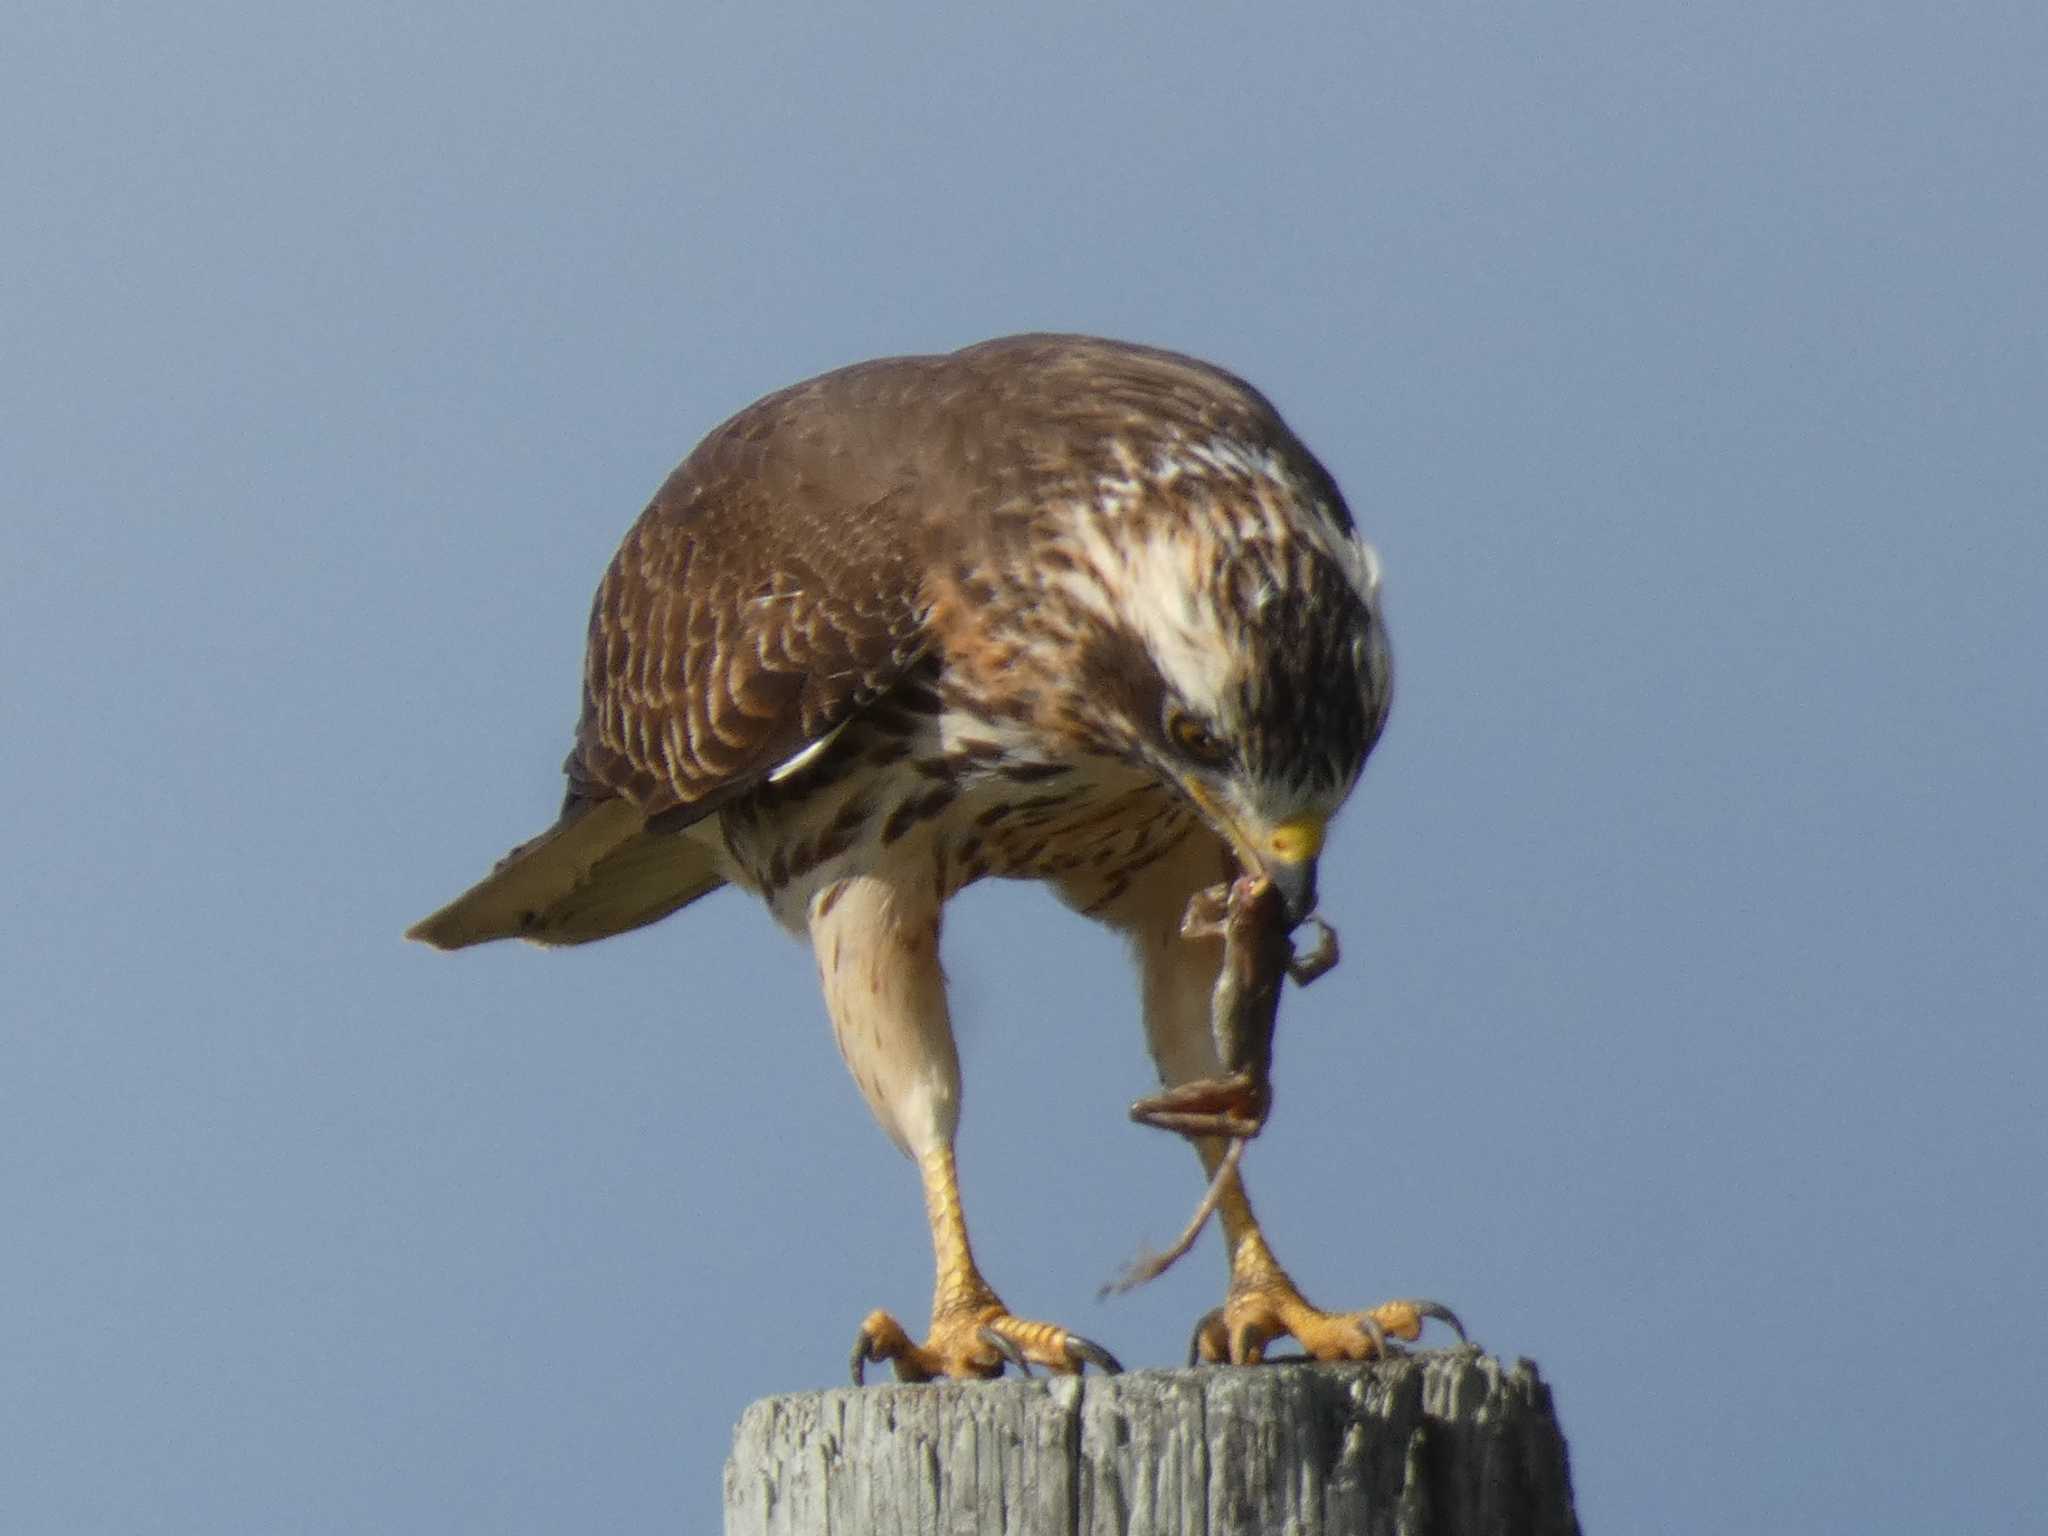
{"x": 782, "y": 577}
{"x": 770, "y": 590}
{"x": 785, "y": 575}
{"x": 596, "y": 872}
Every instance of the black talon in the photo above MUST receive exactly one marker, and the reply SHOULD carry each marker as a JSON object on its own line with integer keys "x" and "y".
{"x": 1378, "y": 1335}
{"x": 1214, "y": 1316}
{"x": 860, "y": 1360}
{"x": 1442, "y": 1314}
{"x": 1085, "y": 1349}
{"x": 1005, "y": 1347}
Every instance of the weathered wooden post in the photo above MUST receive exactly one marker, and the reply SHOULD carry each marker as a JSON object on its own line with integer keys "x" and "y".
{"x": 1439, "y": 1443}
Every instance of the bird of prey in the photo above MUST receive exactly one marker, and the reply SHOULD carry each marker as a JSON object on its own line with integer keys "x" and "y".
{"x": 1048, "y": 608}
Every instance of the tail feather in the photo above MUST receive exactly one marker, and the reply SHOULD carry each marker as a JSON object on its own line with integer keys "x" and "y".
{"x": 591, "y": 875}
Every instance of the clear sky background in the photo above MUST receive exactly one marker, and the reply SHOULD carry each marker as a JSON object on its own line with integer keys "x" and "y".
{"x": 1688, "y": 363}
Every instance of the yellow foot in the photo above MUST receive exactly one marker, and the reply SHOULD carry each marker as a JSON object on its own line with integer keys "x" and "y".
{"x": 1268, "y": 1307}
{"x": 975, "y": 1341}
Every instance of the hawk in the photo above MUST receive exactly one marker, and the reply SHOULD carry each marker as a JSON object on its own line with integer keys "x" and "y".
{"x": 1048, "y": 608}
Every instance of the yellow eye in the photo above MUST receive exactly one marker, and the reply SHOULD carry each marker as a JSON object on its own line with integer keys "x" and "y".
{"x": 1196, "y": 740}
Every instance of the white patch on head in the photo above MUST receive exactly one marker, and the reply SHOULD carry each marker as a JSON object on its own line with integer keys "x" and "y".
{"x": 1279, "y": 508}
{"x": 1158, "y": 577}
{"x": 1158, "y": 581}
{"x": 1173, "y": 610}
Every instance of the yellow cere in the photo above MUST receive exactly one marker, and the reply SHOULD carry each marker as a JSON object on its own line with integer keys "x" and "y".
{"x": 1296, "y": 841}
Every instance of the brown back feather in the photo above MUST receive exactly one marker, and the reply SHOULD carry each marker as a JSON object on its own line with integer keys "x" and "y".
{"x": 782, "y": 578}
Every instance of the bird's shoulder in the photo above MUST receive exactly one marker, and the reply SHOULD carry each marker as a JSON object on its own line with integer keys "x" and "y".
{"x": 784, "y": 574}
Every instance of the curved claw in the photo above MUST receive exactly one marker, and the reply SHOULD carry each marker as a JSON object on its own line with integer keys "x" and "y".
{"x": 881, "y": 1337}
{"x": 1007, "y": 1348}
{"x": 1267, "y": 1308}
{"x": 1376, "y": 1333}
{"x": 1079, "y": 1349}
{"x": 1442, "y": 1314}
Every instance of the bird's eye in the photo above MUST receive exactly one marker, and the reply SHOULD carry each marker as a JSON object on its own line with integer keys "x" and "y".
{"x": 1195, "y": 740}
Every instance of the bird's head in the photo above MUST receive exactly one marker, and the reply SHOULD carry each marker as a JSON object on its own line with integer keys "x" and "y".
{"x": 1248, "y": 668}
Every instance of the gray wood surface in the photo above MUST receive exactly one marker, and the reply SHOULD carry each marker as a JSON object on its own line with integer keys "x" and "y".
{"x": 1428, "y": 1444}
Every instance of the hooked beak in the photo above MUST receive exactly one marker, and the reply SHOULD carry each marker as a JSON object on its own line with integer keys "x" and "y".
{"x": 1288, "y": 859}
{"x": 1285, "y": 853}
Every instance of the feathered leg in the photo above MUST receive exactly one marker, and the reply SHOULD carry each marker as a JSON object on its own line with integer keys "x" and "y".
{"x": 877, "y": 943}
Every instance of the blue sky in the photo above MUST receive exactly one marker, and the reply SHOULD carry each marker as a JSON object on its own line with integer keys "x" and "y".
{"x": 1687, "y": 363}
